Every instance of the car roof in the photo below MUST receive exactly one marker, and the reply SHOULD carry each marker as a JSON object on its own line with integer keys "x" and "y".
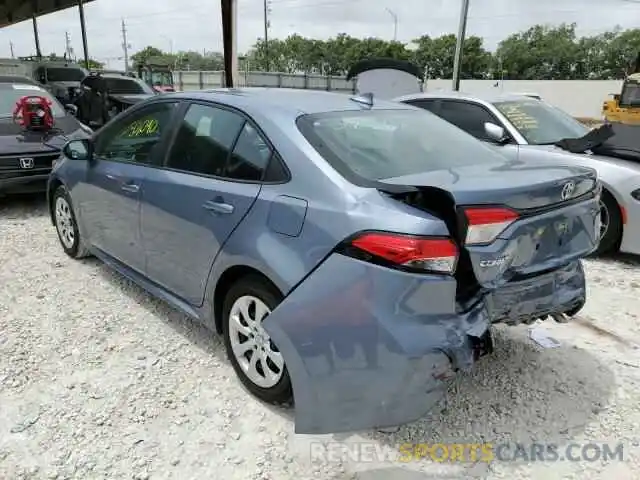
{"x": 487, "y": 97}
{"x": 289, "y": 100}
{"x": 17, "y": 79}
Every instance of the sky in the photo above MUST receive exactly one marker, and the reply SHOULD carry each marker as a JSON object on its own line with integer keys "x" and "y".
{"x": 195, "y": 24}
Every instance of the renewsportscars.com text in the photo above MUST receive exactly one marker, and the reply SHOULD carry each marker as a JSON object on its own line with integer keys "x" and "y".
{"x": 467, "y": 452}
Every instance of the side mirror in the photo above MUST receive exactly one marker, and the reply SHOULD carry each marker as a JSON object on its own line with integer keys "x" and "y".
{"x": 496, "y": 133}
{"x": 71, "y": 109}
{"x": 616, "y": 97}
{"x": 78, "y": 149}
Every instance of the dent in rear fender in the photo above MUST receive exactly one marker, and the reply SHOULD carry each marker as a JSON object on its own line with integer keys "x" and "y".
{"x": 367, "y": 346}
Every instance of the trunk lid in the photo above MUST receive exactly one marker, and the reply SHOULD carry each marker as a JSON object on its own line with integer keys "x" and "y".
{"x": 538, "y": 217}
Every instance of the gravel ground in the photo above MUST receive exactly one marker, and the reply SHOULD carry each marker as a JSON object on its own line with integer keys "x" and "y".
{"x": 99, "y": 380}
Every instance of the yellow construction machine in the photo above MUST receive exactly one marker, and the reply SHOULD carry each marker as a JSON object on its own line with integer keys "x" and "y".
{"x": 624, "y": 107}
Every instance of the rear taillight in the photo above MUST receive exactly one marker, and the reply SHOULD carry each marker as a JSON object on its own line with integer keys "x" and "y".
{"x": 485, "y": 224}
{"x": 428, "y": 254}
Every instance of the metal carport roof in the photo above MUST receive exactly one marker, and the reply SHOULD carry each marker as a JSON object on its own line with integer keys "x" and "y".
{"x": 16, "y": 11}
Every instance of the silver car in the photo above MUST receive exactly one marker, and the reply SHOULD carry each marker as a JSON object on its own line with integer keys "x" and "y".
{"x": 527, "y": 129}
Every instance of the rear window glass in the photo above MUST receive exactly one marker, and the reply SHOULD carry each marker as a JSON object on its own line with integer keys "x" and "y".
{"x": 378, "y": 144}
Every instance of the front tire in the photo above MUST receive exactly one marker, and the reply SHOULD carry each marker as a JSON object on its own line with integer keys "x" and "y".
{"x": 255, "y": 359}
{"x": 66, "y": 224}
{"x": 611, "y": 224}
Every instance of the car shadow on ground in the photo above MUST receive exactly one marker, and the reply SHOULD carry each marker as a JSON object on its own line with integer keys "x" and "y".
{"x": 23, "y": 205}
{"x": 624, "y": 259}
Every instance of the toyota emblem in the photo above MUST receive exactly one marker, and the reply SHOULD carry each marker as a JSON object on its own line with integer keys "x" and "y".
{"x": 567, "y": 190}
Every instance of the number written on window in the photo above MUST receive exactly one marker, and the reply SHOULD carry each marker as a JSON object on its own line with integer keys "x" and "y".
{"x": 134, "y": 138}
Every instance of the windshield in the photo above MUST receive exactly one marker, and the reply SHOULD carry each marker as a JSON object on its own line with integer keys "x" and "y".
{"x": 125, "y": 86}
{"x": 160, "y": 78}
{"x": 540, "y": 123}
{"x": 65, "y": 74}
{"x": 11, "y": 93}
{"x": 377, "y": 144}
{"x": 630, "y": 94}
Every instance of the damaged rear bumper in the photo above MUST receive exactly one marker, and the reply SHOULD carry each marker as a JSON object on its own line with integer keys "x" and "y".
{"x": 369, "y": 347}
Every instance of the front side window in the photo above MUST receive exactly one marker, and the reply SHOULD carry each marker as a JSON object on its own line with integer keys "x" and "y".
{"x": 134, "y": 137}
{"x": 467, "y": 116}
{"x": 379, "y": 144}
{"x": 540, "y": 123}
{"x": 205, "y": 138}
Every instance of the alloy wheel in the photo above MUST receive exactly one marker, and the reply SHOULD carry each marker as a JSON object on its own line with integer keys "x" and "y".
{"x": 604, "y": 219}
{"x": 64, "y": 222}
{"x": 252, "y": 347}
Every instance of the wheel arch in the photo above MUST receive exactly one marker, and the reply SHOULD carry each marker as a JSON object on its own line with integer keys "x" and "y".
{"x": 226, "y": 280}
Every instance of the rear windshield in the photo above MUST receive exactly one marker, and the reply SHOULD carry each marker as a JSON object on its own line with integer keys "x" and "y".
{"x": 125, "y": 86}
{"x": 11, "y": 93}
{"x": 65, "y": 74}
{"x": 378, "y": 144}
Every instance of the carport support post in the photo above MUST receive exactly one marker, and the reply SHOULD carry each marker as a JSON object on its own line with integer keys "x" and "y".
{"x": 36, "y": 37}
{"x": 229, "y": 41}
{"x": 83, "y": 29}
{"x": 462, "y": 30}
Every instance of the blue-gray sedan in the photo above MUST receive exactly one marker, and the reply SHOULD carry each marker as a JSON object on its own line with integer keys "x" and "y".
{"x": 352, "y": 252}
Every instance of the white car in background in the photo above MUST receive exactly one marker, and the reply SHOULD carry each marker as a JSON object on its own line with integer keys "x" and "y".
{"x": 528, "y": 129}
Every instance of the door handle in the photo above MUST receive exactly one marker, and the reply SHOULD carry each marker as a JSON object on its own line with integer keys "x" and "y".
{"x": 130, "y": 187}
{"x": 218, "y": 206}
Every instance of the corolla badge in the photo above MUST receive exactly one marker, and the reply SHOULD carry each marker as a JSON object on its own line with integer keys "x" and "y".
{"x": 567, "y": 190}
{"x": 496, "y": 262}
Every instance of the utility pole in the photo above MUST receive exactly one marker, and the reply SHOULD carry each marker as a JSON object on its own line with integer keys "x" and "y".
{"x": 67, "y": 46}
{"x": 13, "y": 55}
{"x": 462, "y": 30}
{"x": 395, "y": 23}
{"x": 266, "y": 35}
{"x": 125, "y": 47}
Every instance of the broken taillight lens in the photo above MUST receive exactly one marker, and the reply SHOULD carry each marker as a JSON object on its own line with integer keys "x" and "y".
{"x": 486, "y": 223}
{"x": 437, "y": 255}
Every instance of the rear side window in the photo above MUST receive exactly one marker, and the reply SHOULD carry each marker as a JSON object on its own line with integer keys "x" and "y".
{"x": 250, "y": 156}
{"x": 204, "y": 140}
{"x": 378, "y": 144}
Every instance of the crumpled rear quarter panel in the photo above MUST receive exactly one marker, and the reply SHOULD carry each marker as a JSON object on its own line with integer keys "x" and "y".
{"x": 367, "y": 346}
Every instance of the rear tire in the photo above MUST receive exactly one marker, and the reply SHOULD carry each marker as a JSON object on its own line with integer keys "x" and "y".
{"x": 611, "y": 219}
{"x": 266, "y": 376}
{"x": 64, "y": 219}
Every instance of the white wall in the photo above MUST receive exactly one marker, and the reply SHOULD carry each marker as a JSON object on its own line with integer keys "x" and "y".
{"x": 580, "y": 98}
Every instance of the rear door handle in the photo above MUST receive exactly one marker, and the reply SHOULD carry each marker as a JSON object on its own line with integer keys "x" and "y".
{"x": 218, "y": 206}
{"x": 130, "y": 187}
